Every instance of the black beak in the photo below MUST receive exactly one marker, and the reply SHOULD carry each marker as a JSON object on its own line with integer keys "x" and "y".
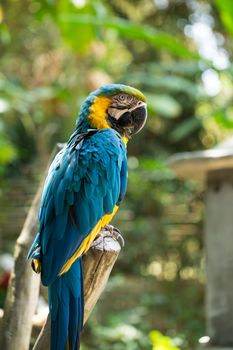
{"x": 130, "y": 122}
{"x": 139, "y": 116}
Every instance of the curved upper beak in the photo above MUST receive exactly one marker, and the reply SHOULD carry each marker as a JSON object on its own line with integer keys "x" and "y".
{"x": 139, "y": 116}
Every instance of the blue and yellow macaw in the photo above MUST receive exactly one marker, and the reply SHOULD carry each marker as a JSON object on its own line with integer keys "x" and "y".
{"x": 84, "y": 187}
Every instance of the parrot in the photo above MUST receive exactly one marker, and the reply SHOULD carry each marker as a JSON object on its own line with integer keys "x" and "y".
{"x": 85, "y": 185}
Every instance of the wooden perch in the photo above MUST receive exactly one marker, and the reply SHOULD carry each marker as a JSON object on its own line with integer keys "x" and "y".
{"x": 97, "y": 265}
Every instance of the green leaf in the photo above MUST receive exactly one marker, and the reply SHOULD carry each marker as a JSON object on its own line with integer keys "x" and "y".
{"x": 76, "y": 36}
{"x": 130, "y": 30}
{"x": 153, "y": 164}
{"x": 5, "y": 37}
{"x": 184, "y": 129}
{"x": 7, "y": 151}
{"x": 225, "y": 8}
{"x": 161, "y": 342}
{"x": 183, "y": 68}
{"x": 4, "y": 105}
{"x": 40, "y": 93}
{"x": 225, "y": 117}
{"x": 164, "y": 105}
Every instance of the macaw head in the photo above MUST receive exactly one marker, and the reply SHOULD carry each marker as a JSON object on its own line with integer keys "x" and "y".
{"x": 116, "y": 106}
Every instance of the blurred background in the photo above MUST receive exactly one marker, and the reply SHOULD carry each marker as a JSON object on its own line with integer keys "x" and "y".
{"x": 178, "y": 52}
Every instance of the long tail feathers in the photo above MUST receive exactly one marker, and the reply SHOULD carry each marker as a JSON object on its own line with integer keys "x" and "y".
{"x": 66, "y": 308}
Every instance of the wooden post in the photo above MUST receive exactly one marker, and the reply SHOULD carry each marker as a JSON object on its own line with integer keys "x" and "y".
{"x": 214, "y": 168}
{"x": 219, "y": 254}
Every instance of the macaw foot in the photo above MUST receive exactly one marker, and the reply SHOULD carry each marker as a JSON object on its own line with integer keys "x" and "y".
{"x": 115, "y": 234}
{"x": 105, "y": 239}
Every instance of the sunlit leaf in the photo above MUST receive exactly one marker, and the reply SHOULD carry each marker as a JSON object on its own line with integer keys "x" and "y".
{"x": 224, "y": 118}
{"x": 4, "y": 105}
{"x": 7, "y": 151}
{"x": 76, "y": 35}
{"x": 5, "y": 37}
{"x": 161, "y": 342}
{"x": 153, "y": 164}
{"x": 225, "y": 8}
{"x": 41, "y": 93}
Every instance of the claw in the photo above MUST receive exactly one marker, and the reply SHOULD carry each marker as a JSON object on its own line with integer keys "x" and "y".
{"x": 36, "y": 265}
{"x": 116, "y": 234}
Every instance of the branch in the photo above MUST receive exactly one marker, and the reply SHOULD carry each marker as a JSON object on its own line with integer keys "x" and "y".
{"x": 97, "y": 266}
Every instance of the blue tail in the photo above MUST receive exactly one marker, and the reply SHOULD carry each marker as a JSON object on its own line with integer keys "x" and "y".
{"x": 66, "y": 308}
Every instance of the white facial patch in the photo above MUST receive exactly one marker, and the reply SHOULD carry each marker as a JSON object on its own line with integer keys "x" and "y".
{"x": 116, "y": 113}
{"x": 122, "y": 103}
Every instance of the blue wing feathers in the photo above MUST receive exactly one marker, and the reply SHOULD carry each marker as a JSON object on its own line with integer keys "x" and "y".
{"x": 49, "y": 210}
{"x": 90, "y": 177}
{"x": 35, "y": 243}
{"x": 123, "y": 179}
{"x": 69, "y": 197}
{"x": 108, "y": 203}
{"x": 85, "y": 182}
{"x": 61, "y": 222}
{"x": 89, "y": 188}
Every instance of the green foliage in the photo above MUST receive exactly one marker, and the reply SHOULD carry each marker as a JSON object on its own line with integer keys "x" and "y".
{"x": 130, "y": 30}
{"x": 8, "y": 153}
{"x": 161, "y": 342}
{"x": 71, "y": 33}
{"x": 185, "y": 128}
{"x": 225, "y": 8}
{"x": 164, "y": 105}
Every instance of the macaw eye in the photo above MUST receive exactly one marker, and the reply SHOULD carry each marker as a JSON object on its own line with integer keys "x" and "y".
{"x": 122, "y": 97}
